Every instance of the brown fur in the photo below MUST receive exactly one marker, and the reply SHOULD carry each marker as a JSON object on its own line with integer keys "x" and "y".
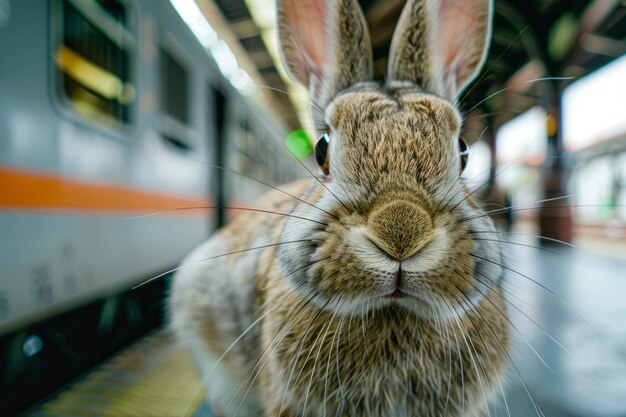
{"x": 412, "y": 59}
{"x": 373, "y": 365}
{"x": 390, "y": 357}
{"x": 371, "y": 298}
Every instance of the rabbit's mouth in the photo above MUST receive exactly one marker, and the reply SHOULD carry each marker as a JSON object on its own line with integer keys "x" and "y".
{"x": 348, "y": 273}
{"x": 350, "y": 265}
{"x": 351, "y": 274}
{"x": 397, "y": 294}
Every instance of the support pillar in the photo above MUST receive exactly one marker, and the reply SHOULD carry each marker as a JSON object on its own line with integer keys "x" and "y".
{"x": 555, "y": 217}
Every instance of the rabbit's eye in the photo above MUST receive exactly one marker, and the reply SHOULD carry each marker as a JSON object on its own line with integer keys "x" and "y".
{"x": 321, "y": 152}
{"x": 464, "y": 153}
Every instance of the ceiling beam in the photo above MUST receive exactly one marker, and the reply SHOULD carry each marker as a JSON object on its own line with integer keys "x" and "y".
{"x": 595, "y": 14}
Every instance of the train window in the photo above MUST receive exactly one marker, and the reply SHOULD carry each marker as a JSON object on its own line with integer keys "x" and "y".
{"x": 93, "y": 58}
{"x": 174, "y": 87}
{"x": 175, "y": 99}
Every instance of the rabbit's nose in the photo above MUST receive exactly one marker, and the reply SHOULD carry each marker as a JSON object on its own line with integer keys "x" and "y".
{"x": 400, "y": 228}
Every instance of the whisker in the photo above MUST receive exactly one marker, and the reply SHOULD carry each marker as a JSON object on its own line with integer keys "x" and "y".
{"x": 485, "y": 297}
{"x": 314, "y": 105}
{"x": 271, "y": 347}
{"x": 514, "y": 243}
{"x": 219, "y": 360}
{"x": 298, "y": 270}
{"x": 511, "y": 207}
{"x": 469, "y": 349}
{"x": 218, "y": 256}
{"x": 341, "y": 322}
{"x": 319, "y": 349}
{"x": 314, "y": 342}
{"x": 319, "y": 181}
{"x": 508, "y": 165}
{"x": 158, "y": 213}
{"x": 549, "y": 239}
{"x": 297, "y": 354}
{"x": 232, "y": 171}
{"x": 560, "y": 299}
{"x": 449, "y": 350}
{"x": 539, "y": 208}
{"x": 492, "y": 113}
{"x": 475, "y": 308}
{"x": 498, "y": 58}
{"x": 506, "y": 353}
{"x": 503, "y": 266}
{"x": 550, "y": 79}
{"x": 330, "y": 351}
{"x": 510, "y": 293}
{"x": 514, "y": 85}
{"x": 294, "y": 316}
{"x": 460, "y": 356}
{"x": 543, "y": 330}
{"x": 489, "y": 97}
{"x": 437, "y": 210}
{"x": 555, "y": 295}
{"x": 302, "y": 304}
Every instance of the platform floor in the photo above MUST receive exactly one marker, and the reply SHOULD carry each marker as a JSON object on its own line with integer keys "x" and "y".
{"x": 152, "y": 378}
{"x": 587, "y": 316}
{"x": 586, "y": 376}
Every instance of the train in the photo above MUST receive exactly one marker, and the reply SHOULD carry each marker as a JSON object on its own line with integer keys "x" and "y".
{"x": 114, "y": 123}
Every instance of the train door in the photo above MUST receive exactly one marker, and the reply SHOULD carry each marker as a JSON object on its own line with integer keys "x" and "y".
{"x": 218, "y": 109}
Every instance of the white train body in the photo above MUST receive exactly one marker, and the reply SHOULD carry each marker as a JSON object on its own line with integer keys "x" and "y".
{"x": 76, "y": 168}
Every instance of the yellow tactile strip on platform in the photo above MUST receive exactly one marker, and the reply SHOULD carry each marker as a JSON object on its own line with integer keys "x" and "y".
{"x": 153, "y": 378}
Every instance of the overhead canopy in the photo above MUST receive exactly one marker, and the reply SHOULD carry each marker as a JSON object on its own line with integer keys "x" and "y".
{"x": 532, "y": 39}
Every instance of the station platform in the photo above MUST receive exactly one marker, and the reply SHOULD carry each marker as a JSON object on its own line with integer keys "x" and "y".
{"x": 152, "y": 378}
{"x": 579, "y": 331}
{"x": 573, "y": 316}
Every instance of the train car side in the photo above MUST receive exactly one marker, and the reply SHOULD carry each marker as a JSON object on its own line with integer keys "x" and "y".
{"x": 90, "y": 147}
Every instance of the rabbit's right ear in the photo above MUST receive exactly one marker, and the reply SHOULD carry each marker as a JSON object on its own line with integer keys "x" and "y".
{"x": 324, "y": 45}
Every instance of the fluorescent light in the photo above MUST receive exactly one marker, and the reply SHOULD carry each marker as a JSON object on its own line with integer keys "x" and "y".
{"x": 226, "y": 60}
{"x": 243, "y": 82}
{"x": 191, "y": 14}
{"x": 264, "y": 15}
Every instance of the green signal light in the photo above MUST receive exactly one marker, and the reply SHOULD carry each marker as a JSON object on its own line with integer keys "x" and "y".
{"x": 299, "y": 144}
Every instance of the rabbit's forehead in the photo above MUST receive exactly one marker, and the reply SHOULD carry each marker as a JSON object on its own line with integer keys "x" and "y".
{"x": 411, "y": 139}
{"x": 374, "y": 120}
{"x": 353, "y": 111}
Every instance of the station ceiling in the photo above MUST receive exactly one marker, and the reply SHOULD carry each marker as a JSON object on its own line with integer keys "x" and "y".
{"x": 532, "y": 39}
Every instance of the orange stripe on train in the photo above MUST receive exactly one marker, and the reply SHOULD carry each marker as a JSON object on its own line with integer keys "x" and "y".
{"x": 22, "y": 190}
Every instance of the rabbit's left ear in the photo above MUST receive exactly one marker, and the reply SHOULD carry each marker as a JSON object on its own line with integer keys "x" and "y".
{"x": 441, "y": 44}
{"x": 324, "y": 45}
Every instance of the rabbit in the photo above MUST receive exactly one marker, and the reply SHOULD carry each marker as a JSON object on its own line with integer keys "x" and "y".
{"x": 361, "y": 292}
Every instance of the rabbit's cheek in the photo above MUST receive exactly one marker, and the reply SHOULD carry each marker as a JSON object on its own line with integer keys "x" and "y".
{"x": 469, "y": 271}
{"x": 342, "y": 274}
{"x": 353, "y": 283}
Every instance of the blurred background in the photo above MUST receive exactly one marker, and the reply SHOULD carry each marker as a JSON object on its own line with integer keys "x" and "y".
{"x": 131, "y": 129}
